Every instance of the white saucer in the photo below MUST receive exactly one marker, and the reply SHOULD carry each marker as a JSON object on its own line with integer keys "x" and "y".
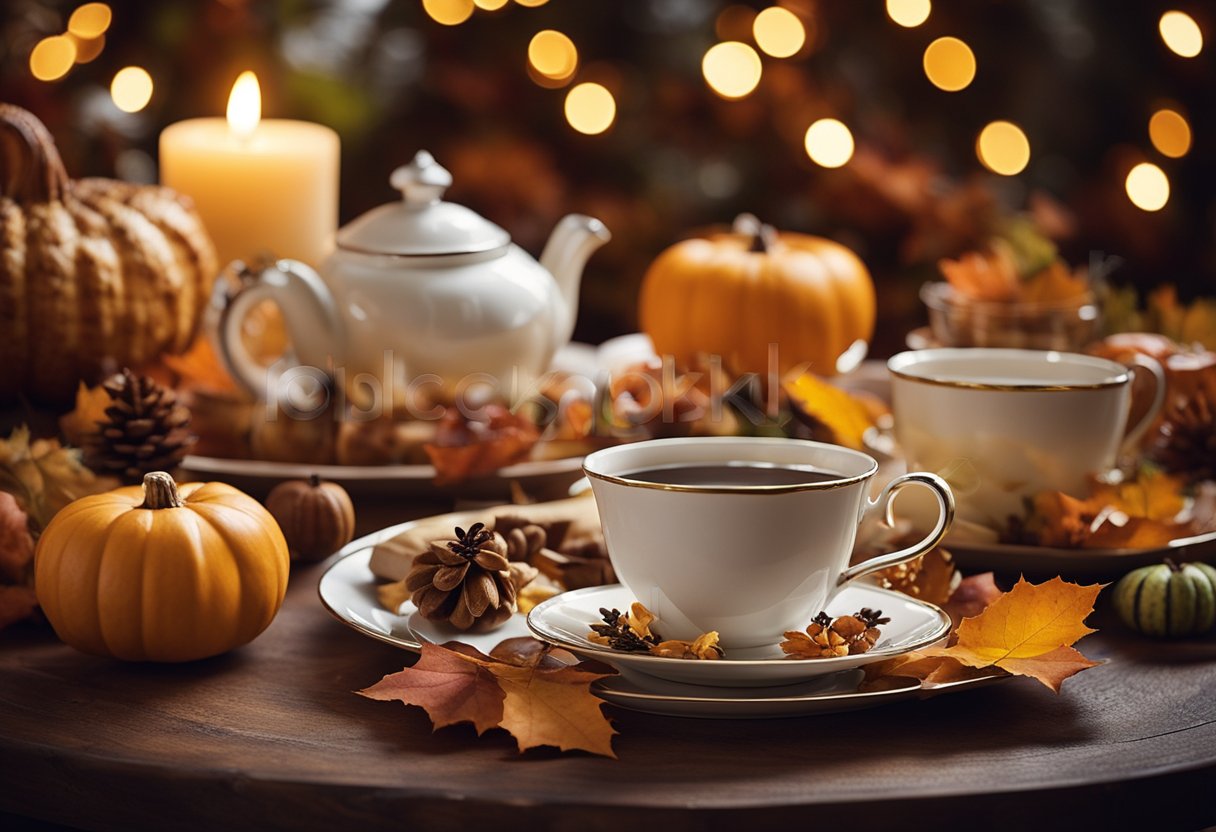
{"x": 565, "y": 620}
{"x": 435, "y": 632}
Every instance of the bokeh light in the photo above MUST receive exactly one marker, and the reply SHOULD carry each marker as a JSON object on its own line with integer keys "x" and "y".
{"x": 87, "y": 49}
{"x": 949, "y": 64}
{"x": 531, "y": 3}
{"x": 1170, "y": 133}
{"x": 909, "y": 13}
{"x": 52, "y": 57}
{"x": 1181, "y": 34}
{"x": 1003, "y": 148}
{"x": 90, "y": 20}
{"x": 489, "y": 5}
{"x": 731, "y": 69}
{"x": 1148, "y": 187}
{"x": 131, "y": 89}
{"x": 829, "y": 143}
{"x": 448, "y": 12}
{"x": 778, "y": 32}
{"x": 552, "y": 54}
{"x": 590, "y": 108}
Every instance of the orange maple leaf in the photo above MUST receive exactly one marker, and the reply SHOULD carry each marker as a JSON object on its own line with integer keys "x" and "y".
{"x": 1024, "y": 631}
{"x": 534, "y": 692}
{"x": 449, "y": 685}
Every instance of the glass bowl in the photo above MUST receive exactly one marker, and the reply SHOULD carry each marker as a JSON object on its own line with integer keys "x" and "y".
{"x": 959, "y": 321}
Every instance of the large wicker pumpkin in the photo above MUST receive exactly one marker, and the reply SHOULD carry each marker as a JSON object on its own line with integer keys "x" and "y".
{"x": 734, "y": 294}
{"x": 95, "y": 274}
{"x": 158, "y": 574}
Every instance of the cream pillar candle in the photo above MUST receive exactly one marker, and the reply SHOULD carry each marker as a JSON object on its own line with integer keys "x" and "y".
{"x": 260, "y": 185}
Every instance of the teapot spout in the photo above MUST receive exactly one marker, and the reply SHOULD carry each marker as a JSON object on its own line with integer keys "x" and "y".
{"x": 571, "y": 243}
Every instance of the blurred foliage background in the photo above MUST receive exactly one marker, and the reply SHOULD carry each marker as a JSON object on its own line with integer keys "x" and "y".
{"x": 1081, "y": 78}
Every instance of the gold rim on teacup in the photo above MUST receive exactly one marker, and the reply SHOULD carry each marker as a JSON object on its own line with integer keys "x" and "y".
{"x": 1120, "y": 374}
{"x": 840, "y": 481}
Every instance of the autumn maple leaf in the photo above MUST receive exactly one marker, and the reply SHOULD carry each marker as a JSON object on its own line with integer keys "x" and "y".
{"x": 1029, "y": 631}
{"x": 534, "y": 692}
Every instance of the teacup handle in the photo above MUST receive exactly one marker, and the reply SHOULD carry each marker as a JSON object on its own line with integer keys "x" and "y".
{"x": 1153, "y": 367}
{"x": 945, "y": 502}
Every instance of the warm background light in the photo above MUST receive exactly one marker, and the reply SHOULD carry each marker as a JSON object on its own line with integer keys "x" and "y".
{"x": 778, "y": 32}
{"x": 90, "y": 20}
{"x": 552, "y": 54}
{"x": 52, "y": 57}
{"x": 131, "y": 89}
{"x": 448, "y": 12}
{"x": 1148, "y": 187}
{"x": 909, "y": 13}
{"x": 1003, "y": 148}
{"x": 245, "y": 105}
{"x": 590, "y": 108}
{"x": 531, "y": 3}
{"x": 1181, "y": 34}
{"x": 87, "y": 49}
{"x": 489, "y": 5}
{"x": 829, "y": 143}
{"x": 1170, "y": 133}
{"x": 731, "y": 69}
{"x": 949, "y": 64}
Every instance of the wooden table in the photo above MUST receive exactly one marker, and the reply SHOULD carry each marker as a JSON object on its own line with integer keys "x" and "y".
{"x": 272, "y": 737}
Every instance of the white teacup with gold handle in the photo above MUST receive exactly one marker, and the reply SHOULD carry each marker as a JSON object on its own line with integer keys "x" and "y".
{"x": 1001, "y": 425}
{"x": 745, "y": 536}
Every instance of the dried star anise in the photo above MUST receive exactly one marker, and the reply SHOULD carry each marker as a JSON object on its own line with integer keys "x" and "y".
{"x": 618, "y": 633}
{"x": 828, "y": 638}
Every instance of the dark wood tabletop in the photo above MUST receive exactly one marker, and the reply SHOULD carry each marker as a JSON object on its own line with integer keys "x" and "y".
{"x": 272, "y": 736}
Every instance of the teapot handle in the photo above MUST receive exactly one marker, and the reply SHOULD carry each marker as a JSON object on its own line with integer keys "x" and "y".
{"x": 307, "y": 307}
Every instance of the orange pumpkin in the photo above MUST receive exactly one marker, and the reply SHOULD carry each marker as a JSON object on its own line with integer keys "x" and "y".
{"x": 161, "y": 574}
{"x": 95, "y": 274}
{"x": 734, "y": 294}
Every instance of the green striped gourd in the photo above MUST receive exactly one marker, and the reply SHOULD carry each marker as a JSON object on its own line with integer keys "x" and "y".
{"x": 1169, "y": 600}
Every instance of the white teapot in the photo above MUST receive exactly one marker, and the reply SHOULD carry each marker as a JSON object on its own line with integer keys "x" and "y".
{"x": 419, "y": 291}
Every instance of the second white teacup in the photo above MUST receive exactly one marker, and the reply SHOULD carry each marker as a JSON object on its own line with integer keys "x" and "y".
{"x": 1001, "y": 425}
{"x": 749, "y": 552}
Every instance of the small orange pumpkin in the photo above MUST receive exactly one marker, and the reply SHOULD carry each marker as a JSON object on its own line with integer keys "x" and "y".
{"x": 160, "y": 573}
{"x": 734, "y": 294}
{"x": 317, "y": 518}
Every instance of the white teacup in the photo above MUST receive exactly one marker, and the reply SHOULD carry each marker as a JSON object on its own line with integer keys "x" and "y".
{"x": 1001, "y": 425}
{"x": 747, "y": 561}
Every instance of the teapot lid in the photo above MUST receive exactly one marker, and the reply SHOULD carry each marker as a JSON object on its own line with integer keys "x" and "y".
{"x": 421, "y": 224}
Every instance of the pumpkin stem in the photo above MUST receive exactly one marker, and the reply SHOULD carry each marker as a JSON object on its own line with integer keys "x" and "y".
{"x": 763, "y": 235}
{"x": 314, "y": 480}
{"x": 160, "y": 491}
{"x": 1173, "y": 566}
{"x": 30, "y": 167}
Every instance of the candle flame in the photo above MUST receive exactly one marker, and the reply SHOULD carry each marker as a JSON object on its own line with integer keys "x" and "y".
{"x": 245, "y": 105}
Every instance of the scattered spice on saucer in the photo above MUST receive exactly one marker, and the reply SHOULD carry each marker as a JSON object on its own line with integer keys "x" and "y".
{"x": 828, "y": 638}
{"x": 632, "y": 634}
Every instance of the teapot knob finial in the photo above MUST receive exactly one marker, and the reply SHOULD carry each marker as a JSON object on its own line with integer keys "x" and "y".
{"x": 423, "y": 181}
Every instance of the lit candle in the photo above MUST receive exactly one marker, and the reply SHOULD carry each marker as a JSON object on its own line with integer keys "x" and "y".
{"x": 260, "y": 185}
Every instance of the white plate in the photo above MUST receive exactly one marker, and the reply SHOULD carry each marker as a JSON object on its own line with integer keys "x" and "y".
{"x": 348, "y": 591}
{"x": 548, "y": 477}
{"x": 565, "y": 620}
{"x": 827, "y": 695}
{"x": 1075, "y": 563}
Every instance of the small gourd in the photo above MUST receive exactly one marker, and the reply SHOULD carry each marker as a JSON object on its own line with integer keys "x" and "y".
{"x": 317, "y": 517}
{"x": 1168, "y": 600}
{"x": 162, "y": 572}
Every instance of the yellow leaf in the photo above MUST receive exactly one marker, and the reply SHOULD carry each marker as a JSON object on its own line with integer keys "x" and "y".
{"x": 1050, "y": 668}
{"x": 1028, "y": 621}
{"x": 553, "y": 707}
{"x": 91, "y": 404}
{"x": 835, "y": 409}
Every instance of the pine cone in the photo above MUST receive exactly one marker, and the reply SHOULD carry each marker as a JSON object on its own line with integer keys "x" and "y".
{"x": 468, "y": 582}
{"x": 1186, "y": 440}
{"x": 145, "y": 430}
